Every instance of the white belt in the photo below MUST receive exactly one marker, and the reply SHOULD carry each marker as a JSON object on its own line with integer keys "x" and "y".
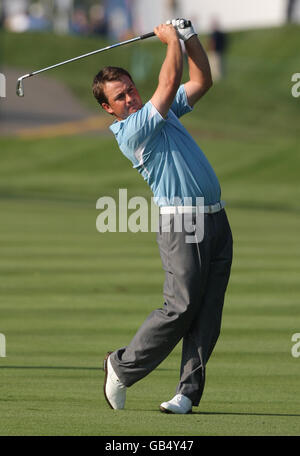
{"x": 211, "y": 209}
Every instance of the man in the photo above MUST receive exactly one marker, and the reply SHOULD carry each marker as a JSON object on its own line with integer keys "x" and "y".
{"x": 176, "y": 169}
{"x": 217, "y": 47}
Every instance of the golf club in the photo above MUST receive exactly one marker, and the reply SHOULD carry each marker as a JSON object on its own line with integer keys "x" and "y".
{"x": 20, "y": 84}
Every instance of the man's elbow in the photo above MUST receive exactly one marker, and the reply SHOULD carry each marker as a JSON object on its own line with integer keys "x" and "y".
{"x": 204, "y": 87}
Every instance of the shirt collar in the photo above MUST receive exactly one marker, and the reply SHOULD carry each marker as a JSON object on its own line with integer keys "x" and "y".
{"x": 115, "y": 127}
{"x": 117, "y": 124}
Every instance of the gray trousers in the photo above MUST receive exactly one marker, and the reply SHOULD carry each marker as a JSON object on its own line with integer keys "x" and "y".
{"x": 196, "y": 279}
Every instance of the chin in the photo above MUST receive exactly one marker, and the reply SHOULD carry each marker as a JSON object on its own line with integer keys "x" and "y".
{"x": 136, "y": 107}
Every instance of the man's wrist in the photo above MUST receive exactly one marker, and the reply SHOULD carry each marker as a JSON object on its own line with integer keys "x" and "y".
{"x": 194, "y": 39}
{"x": 173, "y": 42}
{"x": 184, "y": 28}
{"x": 192, "y": 35}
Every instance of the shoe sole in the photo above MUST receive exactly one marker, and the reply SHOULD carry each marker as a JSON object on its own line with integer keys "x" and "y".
{"x": 105, "y": 377}
{"x": 164, "y": 410}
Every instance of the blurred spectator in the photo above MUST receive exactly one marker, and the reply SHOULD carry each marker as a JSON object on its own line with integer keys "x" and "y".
{"x": 173, "y": 9}
{"x": 61, "y": 13}
{"x": 82, "y": 17}
{"x": 18, "y": 22}
{"x": 98, "y": 25}
{"x": 118, "y": 15}
{"x": 293, "y": 11}
{"x": 20, "y": 16}
{"x": 79, "y": 22}
{"x": 15, "y": 13}
{"x": 1, "y": 15}
{"x": 217, "y": 47}
{"x": 37, "y": 19}
{"x": 290, "y": 10}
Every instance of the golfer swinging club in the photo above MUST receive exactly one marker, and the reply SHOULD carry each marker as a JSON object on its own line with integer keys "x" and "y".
{"x": 151, "y": 136}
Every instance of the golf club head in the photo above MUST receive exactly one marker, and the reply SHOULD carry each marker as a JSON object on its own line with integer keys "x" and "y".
{"x": 20, "y": 88}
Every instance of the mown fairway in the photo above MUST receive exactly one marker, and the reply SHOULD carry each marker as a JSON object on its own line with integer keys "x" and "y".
{"x": 68, "y": 294}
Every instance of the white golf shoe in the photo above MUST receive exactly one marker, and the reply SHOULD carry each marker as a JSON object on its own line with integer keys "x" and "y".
{"x": 114, "y": 390}
{"x": 180, "y": 404}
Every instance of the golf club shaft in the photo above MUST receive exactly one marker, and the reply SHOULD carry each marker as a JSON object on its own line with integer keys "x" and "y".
{"x": 142, "y": 37}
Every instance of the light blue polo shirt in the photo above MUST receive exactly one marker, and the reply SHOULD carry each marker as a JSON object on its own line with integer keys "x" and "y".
{"x": 166, "y": 155}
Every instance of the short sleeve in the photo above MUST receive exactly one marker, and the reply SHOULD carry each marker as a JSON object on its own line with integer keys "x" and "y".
{"x": 180, "y": 105}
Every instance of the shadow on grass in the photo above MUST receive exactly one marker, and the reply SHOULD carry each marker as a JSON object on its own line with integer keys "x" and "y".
{"x": 219, "y": 413}
{"x": 244, "y": 413}
{"x": 193, "y": 413}
{"x": 67, "y": 367}
{"x": 228, "y": 413}
{"x": 52, "y": 367}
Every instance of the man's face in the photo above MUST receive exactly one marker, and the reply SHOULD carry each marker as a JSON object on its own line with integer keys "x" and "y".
{"x": 123, "y": 98}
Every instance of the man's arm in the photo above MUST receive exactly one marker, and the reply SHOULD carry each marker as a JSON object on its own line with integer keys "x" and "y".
{"x": 171, "y": 71}
{"x": 199, "y": 71}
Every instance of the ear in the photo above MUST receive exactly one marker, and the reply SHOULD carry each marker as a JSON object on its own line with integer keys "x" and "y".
{"x": 107, "y": 108}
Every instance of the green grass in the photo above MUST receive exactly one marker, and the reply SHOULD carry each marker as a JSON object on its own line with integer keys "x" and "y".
{"x": 68, "y": 293}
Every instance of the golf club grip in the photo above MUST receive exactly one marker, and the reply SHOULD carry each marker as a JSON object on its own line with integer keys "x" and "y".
{"x": 147, "y": 35}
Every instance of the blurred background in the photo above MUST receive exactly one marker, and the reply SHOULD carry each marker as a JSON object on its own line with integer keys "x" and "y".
{"x": 120, "y": 18}
{"x": 67, "y": 292}
{"x": 84, "y": 25}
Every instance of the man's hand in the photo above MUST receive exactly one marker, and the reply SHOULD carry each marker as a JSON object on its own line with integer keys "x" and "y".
{"x": 166, "y": 33}
{"x": 184, "y": 32}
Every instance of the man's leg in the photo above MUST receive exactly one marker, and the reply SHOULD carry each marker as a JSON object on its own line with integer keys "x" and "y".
{"x": 199, "y": 341}
{"x": 159, "y": 334}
